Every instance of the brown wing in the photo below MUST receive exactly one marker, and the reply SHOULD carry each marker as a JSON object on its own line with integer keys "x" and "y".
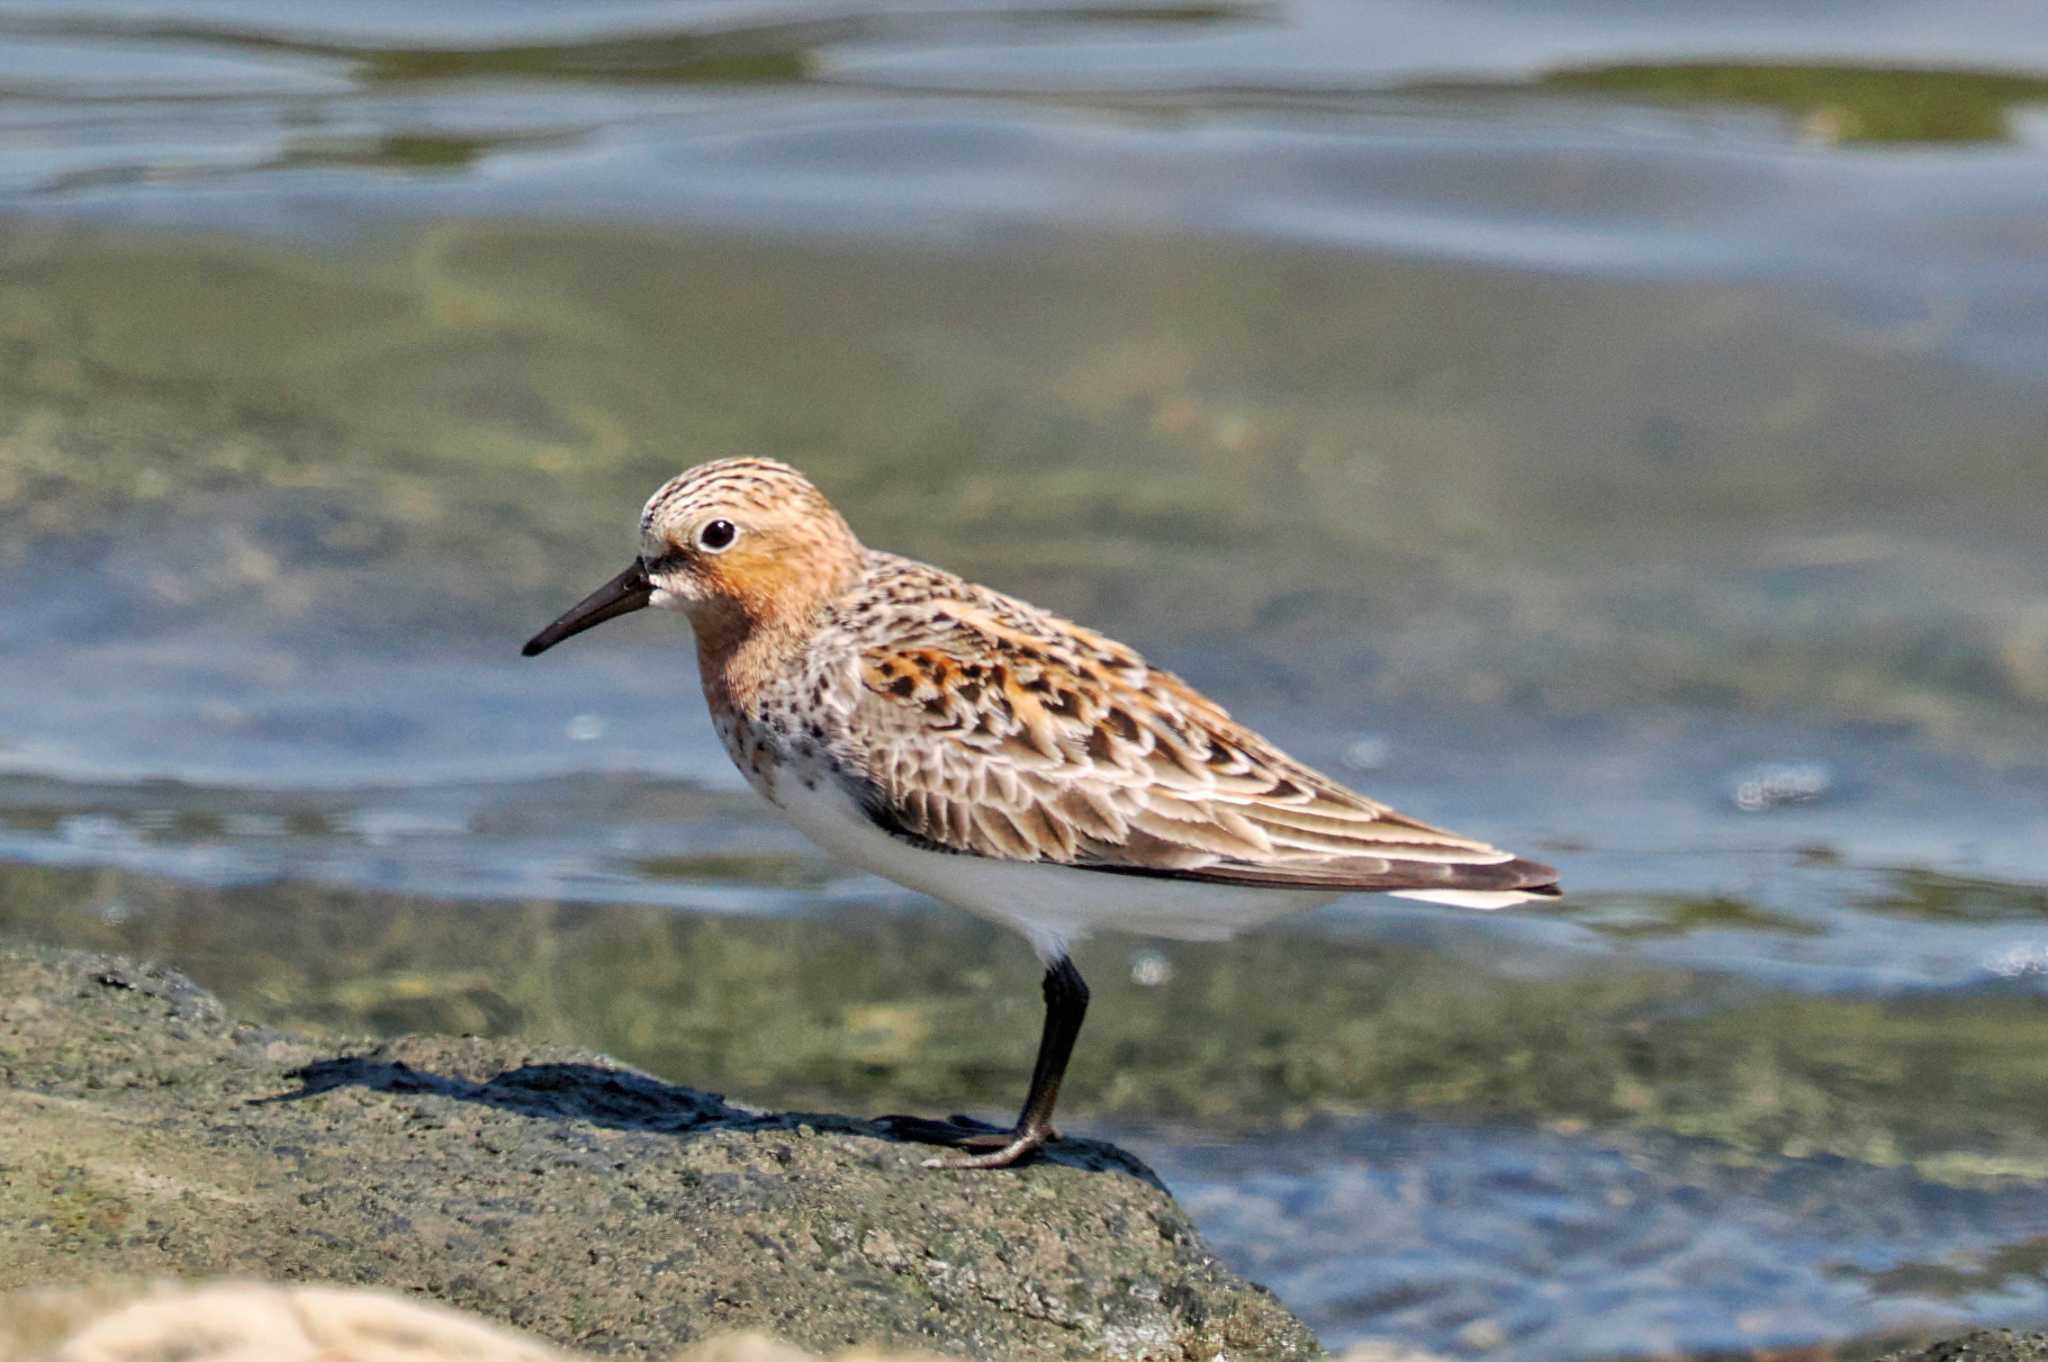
{"x": 995, "y": 730}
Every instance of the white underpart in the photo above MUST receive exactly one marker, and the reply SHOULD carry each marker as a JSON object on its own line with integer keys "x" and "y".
{"x": 1052, "y": 905}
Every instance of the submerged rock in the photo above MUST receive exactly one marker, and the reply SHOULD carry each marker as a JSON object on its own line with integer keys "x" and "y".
{"x": 144, "y": 1133}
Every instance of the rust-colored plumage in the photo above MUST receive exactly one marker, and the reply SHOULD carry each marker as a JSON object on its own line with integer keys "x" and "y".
{"x": 971, "y": 722}
{"x": 990, "y": 753}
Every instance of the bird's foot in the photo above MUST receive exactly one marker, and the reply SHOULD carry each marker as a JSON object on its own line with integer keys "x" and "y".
{"x": 991, "y": 1146}
{"x": 1001, "y": 1149}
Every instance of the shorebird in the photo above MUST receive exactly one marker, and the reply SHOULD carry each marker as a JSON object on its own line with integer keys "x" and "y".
{"x": 993, "y": 755}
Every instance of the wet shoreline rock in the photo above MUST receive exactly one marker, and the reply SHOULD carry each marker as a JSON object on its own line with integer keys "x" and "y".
{"x": 1985, "y": 1345}
{"x": 144, "y": 1133}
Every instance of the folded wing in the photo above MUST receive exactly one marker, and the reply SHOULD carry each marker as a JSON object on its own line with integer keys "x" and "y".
{"x": 995, "y": 729}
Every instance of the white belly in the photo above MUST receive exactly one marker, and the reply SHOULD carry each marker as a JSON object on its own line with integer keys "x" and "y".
{"x": 1051, "y": 905}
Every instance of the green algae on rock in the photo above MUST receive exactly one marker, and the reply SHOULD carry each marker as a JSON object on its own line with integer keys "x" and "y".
{"x": 1277, "y": 1027}
{"x": 147, "y": 1134}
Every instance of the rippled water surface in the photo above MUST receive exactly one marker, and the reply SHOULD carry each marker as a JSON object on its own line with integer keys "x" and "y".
{"x": 1615, "y": 433}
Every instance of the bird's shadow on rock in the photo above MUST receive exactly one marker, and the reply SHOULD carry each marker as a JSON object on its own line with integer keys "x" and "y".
{"x": 626, "y": 1099}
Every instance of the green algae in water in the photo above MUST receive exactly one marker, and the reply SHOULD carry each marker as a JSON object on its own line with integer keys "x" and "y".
{"x": 1271, "y": 1029}
{"x": 1837, "y": 103}
{"x": 1654, "y": 915}
{"x": 1934, "y": 896}
{"x": 475, "y": 411}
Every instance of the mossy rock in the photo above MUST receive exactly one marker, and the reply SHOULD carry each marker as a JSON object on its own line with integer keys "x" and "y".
{"x": 148, "y": 1134}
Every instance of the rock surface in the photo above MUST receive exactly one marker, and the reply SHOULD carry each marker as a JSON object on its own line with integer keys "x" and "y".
{"x": 1987, "y": 1345}
{"x": 144, "y": 1133}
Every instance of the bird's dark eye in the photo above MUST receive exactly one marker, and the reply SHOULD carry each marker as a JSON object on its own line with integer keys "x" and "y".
{"x": 717, "y": 536}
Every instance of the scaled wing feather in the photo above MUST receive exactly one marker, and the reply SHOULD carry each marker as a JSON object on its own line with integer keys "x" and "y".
{"x": 996, "y": 729}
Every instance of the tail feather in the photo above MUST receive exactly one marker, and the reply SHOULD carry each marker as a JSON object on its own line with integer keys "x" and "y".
{"x": 1486, "y": 901}
{"x": 1530, "y": 882}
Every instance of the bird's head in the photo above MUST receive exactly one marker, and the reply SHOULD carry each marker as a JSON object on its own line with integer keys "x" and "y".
{"x": 735, "y": 544}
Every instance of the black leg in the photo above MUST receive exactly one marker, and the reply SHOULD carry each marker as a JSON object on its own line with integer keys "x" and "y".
{"x": 1066, "y": 1003}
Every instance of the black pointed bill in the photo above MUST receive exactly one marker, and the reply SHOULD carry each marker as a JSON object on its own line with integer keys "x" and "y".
{"x": 622, "y": 595}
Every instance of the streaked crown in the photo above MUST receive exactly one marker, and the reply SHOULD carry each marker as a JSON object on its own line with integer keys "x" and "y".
{"x": 751, "y": 536}
{"x": 756, "y": 486}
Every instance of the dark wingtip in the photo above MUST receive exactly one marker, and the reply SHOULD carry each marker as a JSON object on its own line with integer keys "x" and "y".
{"x": 1535, "y": 878}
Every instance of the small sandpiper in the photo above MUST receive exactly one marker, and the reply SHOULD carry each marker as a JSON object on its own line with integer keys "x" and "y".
{"x": 991, "y": 754}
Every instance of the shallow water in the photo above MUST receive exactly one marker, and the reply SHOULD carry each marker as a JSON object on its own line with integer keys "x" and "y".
{"x": 1475, "y": 1240}
{"x": 1618, "y": 435}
